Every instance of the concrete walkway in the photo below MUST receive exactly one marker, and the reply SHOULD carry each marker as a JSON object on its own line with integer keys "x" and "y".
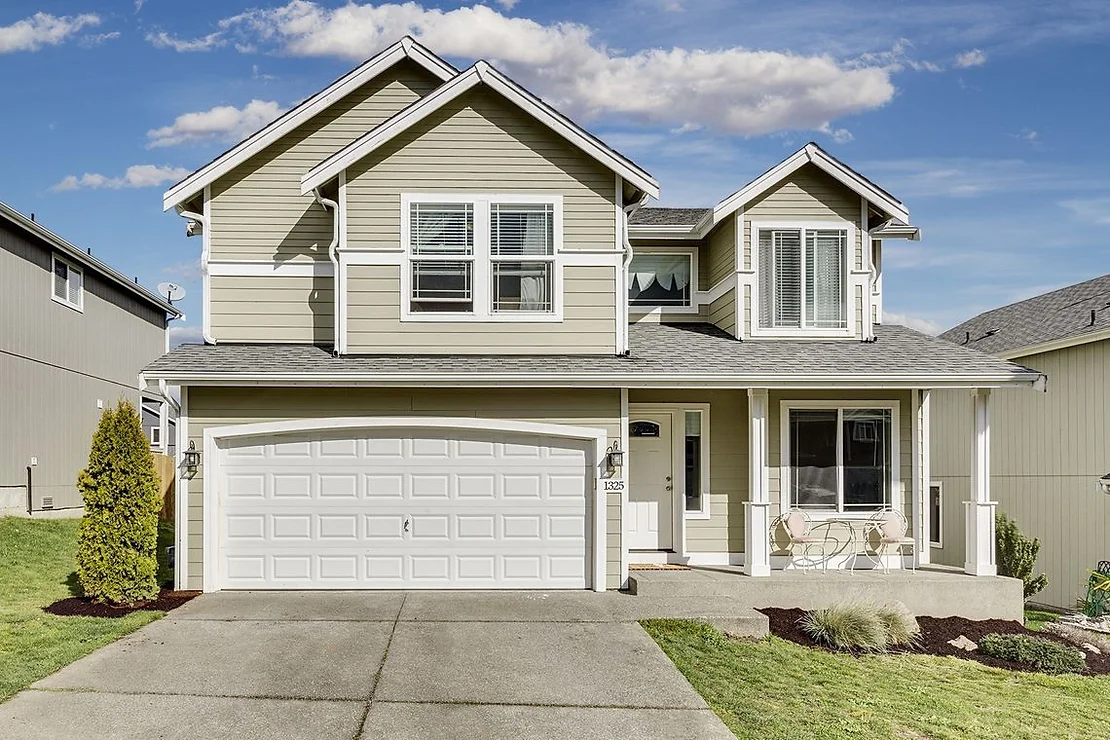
{"x": 415, "y": 665}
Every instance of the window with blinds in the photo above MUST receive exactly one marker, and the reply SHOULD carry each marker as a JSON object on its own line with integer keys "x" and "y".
{"x": 517, "y": 231}
{"x": 68, "y": 281}
{"x": 802, "y": 278}
{"x": 442, "y": 242}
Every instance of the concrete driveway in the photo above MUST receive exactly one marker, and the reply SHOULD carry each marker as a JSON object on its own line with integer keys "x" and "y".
{"x": 415, "y": 665}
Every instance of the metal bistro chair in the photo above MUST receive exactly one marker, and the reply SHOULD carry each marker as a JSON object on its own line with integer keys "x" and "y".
{"x": 796, "y": 524}
{"x": 890, "y": 528}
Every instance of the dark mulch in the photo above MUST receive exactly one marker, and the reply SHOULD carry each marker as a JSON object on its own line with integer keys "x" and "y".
{"x": 935, "y": 634}
{"x": 76, "y": 606}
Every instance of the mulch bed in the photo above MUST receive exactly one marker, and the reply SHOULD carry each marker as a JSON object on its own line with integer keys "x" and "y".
{"x": 935, "y": 634}
{"x": 76, "y": 606}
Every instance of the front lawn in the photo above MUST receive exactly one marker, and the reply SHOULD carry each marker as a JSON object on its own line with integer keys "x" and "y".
{"x": 37, "y": 569}
{"x": 776, "y": 689}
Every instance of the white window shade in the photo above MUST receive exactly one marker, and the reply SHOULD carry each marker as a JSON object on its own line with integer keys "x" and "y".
{"x": 442, "y": 228}
{"x": 660, "y": 280}
{"x": 802, "y": 280}
{"x": 522, "y": 229}
{"x": 825, "y": 255}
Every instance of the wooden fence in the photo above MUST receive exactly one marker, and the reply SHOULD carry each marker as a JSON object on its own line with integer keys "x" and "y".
{"x": 165, "y": 467}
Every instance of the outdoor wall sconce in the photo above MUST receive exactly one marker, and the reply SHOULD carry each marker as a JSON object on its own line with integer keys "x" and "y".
{"x": 192, "y": 459}
{"x": 614, "y": 458}
{"x": 1104, "y": 483}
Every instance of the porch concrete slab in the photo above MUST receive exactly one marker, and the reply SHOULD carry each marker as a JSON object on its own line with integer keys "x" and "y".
{"x": 331, "y": 606}
{"x": 301, "y": 660}
{"x": 50, "y": 715}
{"x": 500, "y": 722}
{"x": 564, "y": 664}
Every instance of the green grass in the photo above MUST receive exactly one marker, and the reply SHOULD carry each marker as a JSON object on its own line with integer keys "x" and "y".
{"x": 1035, "y": 619}
{"x": 776, "y": 689}
{"x": 36, "y": 569}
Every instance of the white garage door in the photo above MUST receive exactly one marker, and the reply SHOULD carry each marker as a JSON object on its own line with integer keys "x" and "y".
{"x": 382, "y": 509}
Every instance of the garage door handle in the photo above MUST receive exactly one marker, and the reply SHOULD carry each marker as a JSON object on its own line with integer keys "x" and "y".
{"x": 407, "y": 522}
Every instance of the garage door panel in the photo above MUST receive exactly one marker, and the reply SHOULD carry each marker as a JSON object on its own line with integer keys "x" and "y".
{"x": 484, "y": 510}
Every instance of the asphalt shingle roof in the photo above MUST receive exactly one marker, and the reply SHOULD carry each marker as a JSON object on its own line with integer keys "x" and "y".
{"x": 1061, "y": 314}
{"x": 656, "y": 349}
{"x": 668, "y": 216}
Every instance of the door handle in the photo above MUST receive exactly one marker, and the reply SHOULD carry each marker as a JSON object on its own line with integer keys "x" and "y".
{"x": 407, "y": 523}
{"x": 668, "y": 479}
{"x": 670, "y": 488}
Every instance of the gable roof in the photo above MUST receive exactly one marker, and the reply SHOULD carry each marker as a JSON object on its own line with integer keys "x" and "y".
{"x": 480, "y": 73}
{"x": 815, "y": 155}
{"x": 1073, "y": 315}
{"x": 656, "y": 216}
{"x": 406, "y": 48}
{"x": 86, "y": 260}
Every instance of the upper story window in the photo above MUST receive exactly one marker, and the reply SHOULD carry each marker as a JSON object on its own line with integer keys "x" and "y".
{"x": 661, "y": 280}
{"x": 482, "y": 257}
{"x": 67, "y": 285}
{"x": 803, "y": 278}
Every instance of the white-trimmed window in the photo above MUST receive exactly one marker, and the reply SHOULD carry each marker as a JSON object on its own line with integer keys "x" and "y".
{"x": 936, "y": 513}
{"x": 803, "y": 277}
{"x": 662, "y": 280}
{"x": 840, "y": 458}
{"x": 482, "y": 257}
{"x": 696, "y": 461}
{"x": 68, "y": 284}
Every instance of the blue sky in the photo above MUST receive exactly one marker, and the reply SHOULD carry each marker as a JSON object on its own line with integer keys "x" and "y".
{"x": 986, "y": 119}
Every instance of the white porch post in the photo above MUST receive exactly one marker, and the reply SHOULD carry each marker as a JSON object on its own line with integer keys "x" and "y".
{"x": 921, "y": 475}
{"x": 979, "y": 511}
{"x": 757, "y": 519}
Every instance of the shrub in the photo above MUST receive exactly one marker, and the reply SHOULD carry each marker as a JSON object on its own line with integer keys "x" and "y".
{"x": 1042, "y": 654}
{"x": 118, "y": 535}
{"x": 847, "y": 627}
{"x": 712, "y": 637}
{"x": 1016, "y": 555}
{"x": 900, "y": 625}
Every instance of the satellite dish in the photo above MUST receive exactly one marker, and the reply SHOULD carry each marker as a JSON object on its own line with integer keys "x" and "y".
{"x": 171, "y": 291}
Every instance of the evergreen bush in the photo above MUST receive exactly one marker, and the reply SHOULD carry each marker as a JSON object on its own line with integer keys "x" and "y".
{"x": 1016, "y": 555}
{"x": 1042, "y": 654}
{"x": 118, "y": 535}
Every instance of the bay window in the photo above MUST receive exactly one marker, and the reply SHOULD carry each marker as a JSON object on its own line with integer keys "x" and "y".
{"x": 802, "y": 278}
{"x": 661, "y": 280}
{"x": 488, "y": 258}
{"x": 840, "y": 459}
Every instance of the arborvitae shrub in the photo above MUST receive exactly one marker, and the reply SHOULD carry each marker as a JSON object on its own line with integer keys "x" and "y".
{"x": 1016, "y": 555}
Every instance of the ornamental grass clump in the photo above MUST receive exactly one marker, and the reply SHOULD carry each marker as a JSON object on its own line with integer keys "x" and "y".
{"x": 117, "y": 539}
{"x": 901, "y": 626}
{"x": 1039, "y": 653}
{"x": 848, "y": 627}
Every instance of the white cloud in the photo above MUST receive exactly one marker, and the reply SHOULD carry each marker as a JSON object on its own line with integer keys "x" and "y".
{"x": 917, "y": 323}
{"x": 222, "y": 123}
{"x": 184, "y": 270}
{"x": 136, "y": 176}
{"x": 185, "y": 334}
{"x": 139, "y": 5}
{"x": 971, "y": 58}
{"x": 735, "y": 89}
{"x": 1027, "y": 134}
{"x": 838, "y": 135}
{"x": 896, "y": 59}
{"x": 969, "y": 177}
{"x": 162, "y": 40}
{"x": 43, "y": 29}
{"x": 96, "y": 39}
{"x": 1092, "y": 210}
{"x": 507, "y": 4}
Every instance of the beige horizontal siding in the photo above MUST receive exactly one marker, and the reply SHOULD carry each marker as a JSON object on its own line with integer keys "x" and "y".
{"x": 723, "y": 532}
{"x": 722, "y": 312}
{"x": 272, "y": 309}
{"x": 722, "y": 250}
{"x": 1047, "y": 451}
{"x": 211, "y": 407}
{"x": 480, "y": 143}
{"x": 374, "y": 319}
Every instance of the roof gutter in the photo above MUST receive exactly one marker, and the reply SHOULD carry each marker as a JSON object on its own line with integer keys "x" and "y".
{"x": 337, "y": 316}
{"x": 627, "y": 210}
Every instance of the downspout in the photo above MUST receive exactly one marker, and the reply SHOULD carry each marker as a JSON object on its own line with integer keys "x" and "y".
{"x": 628, "y": 211}
{"x": 203, "y": 221}
{"x": 329, "y": 204}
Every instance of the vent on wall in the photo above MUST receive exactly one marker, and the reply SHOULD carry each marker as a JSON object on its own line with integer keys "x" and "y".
{"x": 48, "y": 502}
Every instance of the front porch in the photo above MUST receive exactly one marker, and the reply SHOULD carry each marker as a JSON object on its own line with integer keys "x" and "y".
{"x": 935, "y": 591}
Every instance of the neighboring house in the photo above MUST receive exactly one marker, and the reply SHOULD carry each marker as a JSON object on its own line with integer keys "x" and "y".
{"x": 439, "y": 353}
{"x": 74, "y": 335}
{"x": 1047, "y": 450}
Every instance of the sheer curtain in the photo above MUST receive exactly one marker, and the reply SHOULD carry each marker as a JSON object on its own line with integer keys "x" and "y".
{"x": 533, "y": 283}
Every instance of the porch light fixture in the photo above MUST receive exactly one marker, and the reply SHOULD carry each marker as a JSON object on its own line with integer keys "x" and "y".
{"x": 192, "y": 459}
{"x": 614, "y": 458}
{"x": 1104, "y": 483}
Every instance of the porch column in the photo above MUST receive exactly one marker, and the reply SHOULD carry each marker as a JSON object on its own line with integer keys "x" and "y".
{"x": 979, "y": 511}
{"x": 757, "y": 509}
{"x": 921, "y": 476}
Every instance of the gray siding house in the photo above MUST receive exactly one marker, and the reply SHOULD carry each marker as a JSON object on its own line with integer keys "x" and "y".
{"x": 74, "y": 335}
{"x": 1048, "y": 450}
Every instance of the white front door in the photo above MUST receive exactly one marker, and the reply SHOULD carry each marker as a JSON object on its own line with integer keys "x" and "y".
{"x": 649, "y": 519}
{"x": 381, "y": 508}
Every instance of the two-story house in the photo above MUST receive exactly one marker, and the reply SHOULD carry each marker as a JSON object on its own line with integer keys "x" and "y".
{"x": 447, "y": 346}
{"x": 74, "y": 334}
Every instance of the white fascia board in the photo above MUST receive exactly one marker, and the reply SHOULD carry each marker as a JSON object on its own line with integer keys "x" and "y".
{"x": 481, "y": 72}
{"x": 808, "y": 154}
{"x": 603, "y": 380}
{"x": 1057, "y": 344}
{"x": 405, "y": 48}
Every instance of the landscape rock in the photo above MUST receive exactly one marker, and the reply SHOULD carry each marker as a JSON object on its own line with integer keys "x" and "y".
{"x": 963, "y": 643}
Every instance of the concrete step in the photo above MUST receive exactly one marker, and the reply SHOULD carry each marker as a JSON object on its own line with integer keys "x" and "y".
{"x": 678, "y": 583}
